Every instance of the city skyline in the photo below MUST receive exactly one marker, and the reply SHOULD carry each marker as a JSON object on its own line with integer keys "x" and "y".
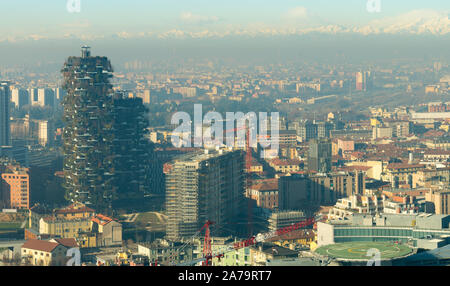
{"x": 154, "y": 146}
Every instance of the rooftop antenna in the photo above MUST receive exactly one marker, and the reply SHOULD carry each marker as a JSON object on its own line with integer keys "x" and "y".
{"x": 85, "y": 51}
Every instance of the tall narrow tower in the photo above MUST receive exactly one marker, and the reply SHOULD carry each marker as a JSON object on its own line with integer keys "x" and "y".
{"x": 4, "y": 113}
{"x": 88, "y": 132}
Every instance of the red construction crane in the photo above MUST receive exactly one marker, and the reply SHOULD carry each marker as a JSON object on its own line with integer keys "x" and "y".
{"x": 207, "y": 251}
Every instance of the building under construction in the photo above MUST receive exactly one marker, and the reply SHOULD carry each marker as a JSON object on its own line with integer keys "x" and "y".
{"x": 201, "y": 187}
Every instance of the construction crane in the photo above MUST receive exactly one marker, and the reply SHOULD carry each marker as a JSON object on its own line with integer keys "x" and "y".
{"x": 207, "y": 251}
{"x": 261, "y": 237}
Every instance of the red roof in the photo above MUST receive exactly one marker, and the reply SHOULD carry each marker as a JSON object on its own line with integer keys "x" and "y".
{"x": 437, "y": 152}
{"x": 285, "y": 162}
{"x": 356, "y": 168}
{"x": 404, "y": 166}
{"x": 102, "y": 219}
{"x": 266, "y": 185}
{"x": 67, "y": 242}
{"x": 41, "y": 245}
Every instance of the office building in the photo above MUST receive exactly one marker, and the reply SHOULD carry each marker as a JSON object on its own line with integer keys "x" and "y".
{"x": 306, "y": 130}
{"x": 324, "y": 129}
{"x": 363, "y": 81}
{"x": 319, "y": 155}
{"x": 45, "y": 133}
{"x": 20, "y": 97}
{"x": 43, "y": 97}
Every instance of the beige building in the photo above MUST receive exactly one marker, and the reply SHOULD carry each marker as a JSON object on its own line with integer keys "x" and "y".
{"x": 382, "y": 132}
{"x": 109, "y": 231}
{"x": 375, "y": 171}
{"x": 401, "y": 173}
{"x": 285, "y": 166}
{"x": 65, "y": 228}
{"x": 44, "y": 253}
{"x": 430, "y": 177}
{"x": 265, "y": 193}
{"x": 440, "y": 199}
{"x": 346, "y": 207}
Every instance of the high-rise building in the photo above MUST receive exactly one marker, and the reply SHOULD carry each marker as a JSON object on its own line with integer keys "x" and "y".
{"x": 324, "y": 129}
{"x": 45, "y": 97}
{"x": 20, "y": 97}
{"x": 45, "y": 132}
{"x": 88, "y": 132}
{"x": 33, "y": 96}
{"x": 59, "y": 95}
{"x": 319, "y": 155}
{"x": 202, "y": 187}
{"x": 363, "y": 81}
{"x": 145, "y": 95}
{"x": 306, "y": 130}
{"x": 132, "y": 150}
{"x": 4, "y": 114}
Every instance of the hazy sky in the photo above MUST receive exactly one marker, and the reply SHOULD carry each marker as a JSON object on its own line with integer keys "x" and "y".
{"x": 38, "y": 19}
{"x": 240, "y": 29}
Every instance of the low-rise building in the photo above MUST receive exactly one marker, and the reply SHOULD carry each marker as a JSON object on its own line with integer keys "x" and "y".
{"x": 45, "y": 253}
{"x": 167, "y": 253}
{"x": 346, "y": 207}
{"x": 109, "y": 231}
{"x": 285, "y": 165}
{"x": 64, "y": 228}
{"x": 265, "y": 193}
{"x": 281, "y": 219}
{"x": 405, "y": 228}
{"x": 264, "y": 253}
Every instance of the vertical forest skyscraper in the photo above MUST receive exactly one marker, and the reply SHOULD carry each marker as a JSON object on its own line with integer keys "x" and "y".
{"x": 131, "y": 148}
{"x": 88, "y": 132}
